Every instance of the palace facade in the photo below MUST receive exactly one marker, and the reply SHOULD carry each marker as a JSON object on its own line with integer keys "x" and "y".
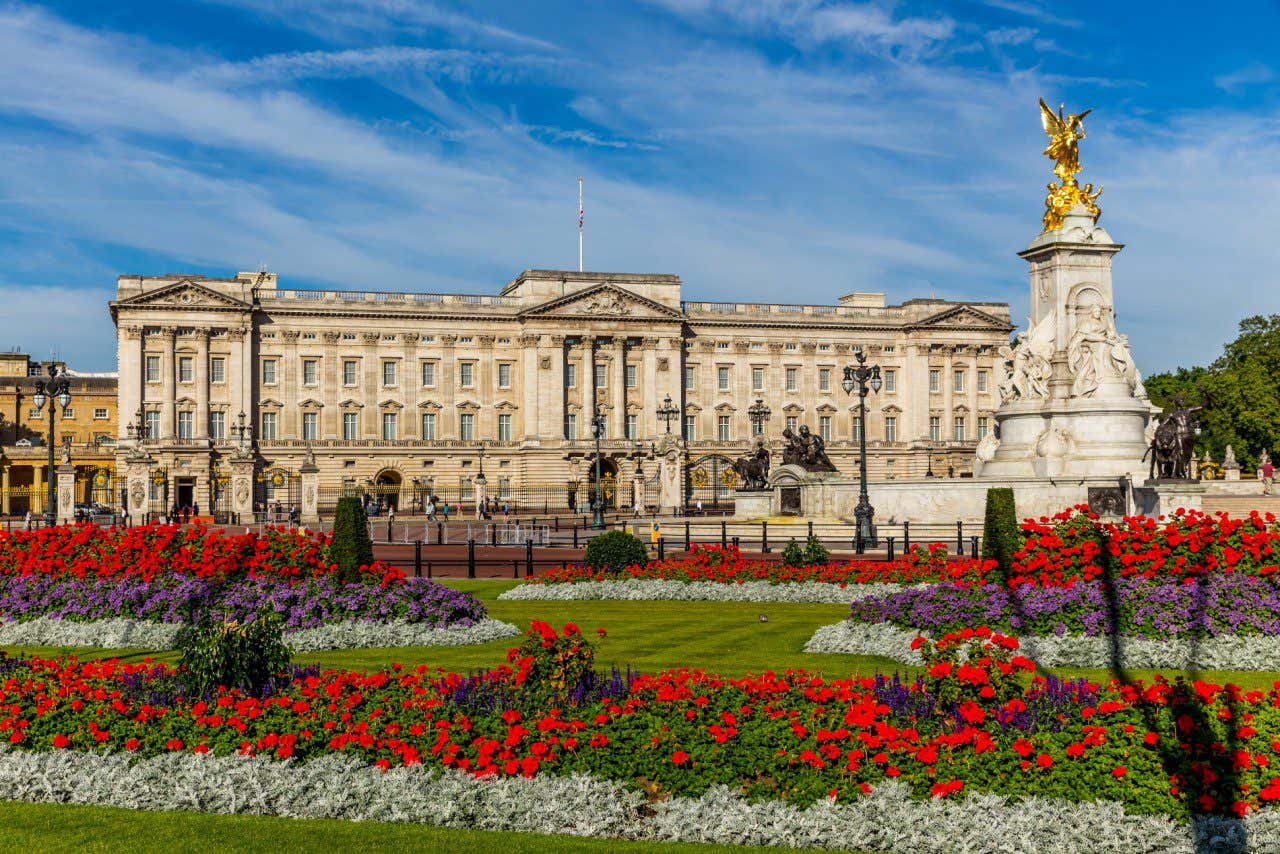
{"x": 406, "y": 394}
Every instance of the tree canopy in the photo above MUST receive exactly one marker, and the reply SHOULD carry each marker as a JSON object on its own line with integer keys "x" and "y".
{"x": 1240, "y": 390}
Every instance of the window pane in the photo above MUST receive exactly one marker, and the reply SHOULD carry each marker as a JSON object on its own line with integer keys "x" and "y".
{"x": 504, "y": 428}
{"x": 633, "y": 427}
{"x": 350, "y": 425}
{"x": 722, "y": 378}
{"x": 982, "y": 381}
{"x": 153, "y": 369}
{"x": 690, "y": 427}
{"x": 217, "y": 370}
{"x": 348, "y": 373}
{"x": 958, "y": 381}
{"x": 186, "y": 369}
{"x": 466, "y": 426}
{"x": 824, "y": 379}
{"x": 757, "y": 379}
{"x": 631, "y": 376}
{"x": 504, "y": 376}
{"x": 466, "y": 372}
{"x": 690, "y": 376}
{"x": 890, "y": 380}
{"x": 935, "y": 380}
{"x": 429, "y": 425}
{"x": 268, "y": 425}
{"x": 428, "y": 373}
{"x": 309, "y": 426}
{"x": 793, "y": 379}
{"x": 388, "y": 373}
{"x": 217, "y": 425}
{"x": 722, "y": 427}
{"x": 388, "y": 426}
{"x": 958, "y": 429}
{"x": 890, "y": 429}
{"x": 310, "y": 372}
{"x": 269, "y": 371}
{"x": 184, "y": 425}
{"x": 571, "y": 426}
{"x": 824, "y": 427}
{"x": 602, "y": 375}
{"x": 571, "y": 376}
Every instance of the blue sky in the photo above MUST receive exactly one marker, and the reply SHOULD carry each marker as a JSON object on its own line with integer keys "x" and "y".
{"x": 787, "y": 150}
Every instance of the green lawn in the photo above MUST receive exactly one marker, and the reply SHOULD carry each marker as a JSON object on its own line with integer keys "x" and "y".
{"x": 46, "y": 827}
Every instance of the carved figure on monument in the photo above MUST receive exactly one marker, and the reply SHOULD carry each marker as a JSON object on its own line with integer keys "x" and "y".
{"x": 66, "y": 455}
{"x": 1171, "y": 448}
{"x": 1027, "y": 367}
{"x": 1086, "y": 350}
{"x": 806, "y": 449}
{"x": 1065, "y": 133}
{"x": 753, "y": 469}
{"x": 1229, "y": 458}
{"x": 1122, "y": 362}
{"x": 985, "y": 452}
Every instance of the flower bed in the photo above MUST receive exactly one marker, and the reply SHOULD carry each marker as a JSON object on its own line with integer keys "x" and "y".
{"x": 645, "y": 589}
{"x": 968, "y": 725}
{"x": 90, "y": 551}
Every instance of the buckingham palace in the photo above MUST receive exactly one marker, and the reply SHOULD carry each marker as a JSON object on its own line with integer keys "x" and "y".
{"x": 414, "y": 394}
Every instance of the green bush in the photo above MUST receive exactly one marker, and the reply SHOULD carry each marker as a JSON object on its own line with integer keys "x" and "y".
{"x": 246, "y": 656}
{"x": 614, "y": 551}
{"x": 351, "y": 547}
{"x": 815, "y": 553}
{"x": 1000, "y": 535}
{"x": 793, "y": 554}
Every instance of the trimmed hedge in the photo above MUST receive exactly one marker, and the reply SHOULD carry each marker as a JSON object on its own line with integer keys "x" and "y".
{"x": 1001, "y": 538}
{"x": 614, "y": 551}
{"x": 351, "y": 547}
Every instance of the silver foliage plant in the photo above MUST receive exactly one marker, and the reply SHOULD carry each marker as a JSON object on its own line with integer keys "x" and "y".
{"x": 342, "y": 787}
{"x": 1225, "y": 652}
{"x": 122, "y": 632}
{"x": 648, "y": 589}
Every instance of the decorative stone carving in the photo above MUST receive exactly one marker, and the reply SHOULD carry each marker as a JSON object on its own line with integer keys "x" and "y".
{"x": 412, "y": 337}
{"x": 290, "y": 335}
{"x": 544, "y": 362}
{"x": 605, "y": 303}
{"x": 807, "y": 450}
{"x": 371, "y": 337}
{"x": 332, "y": 337}
{"x": 237, "y": 333}
{"x": 1026, "y": 365}
{"x": 985, "y": 452}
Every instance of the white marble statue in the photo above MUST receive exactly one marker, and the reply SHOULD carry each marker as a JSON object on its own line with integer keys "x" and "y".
{"x": 1086, "y": 350}
{"x": 1027, "y": 367}
{"x": 1122, "y": 361}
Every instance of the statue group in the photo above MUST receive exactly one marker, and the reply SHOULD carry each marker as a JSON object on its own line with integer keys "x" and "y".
{"x": 1171, "y": 448}
{"x": 804, "y": 448}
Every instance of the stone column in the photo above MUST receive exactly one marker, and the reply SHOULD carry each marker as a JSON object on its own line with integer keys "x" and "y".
{"x": 66, "y": 494}
{"x": 948, "y": 394}
{"x": 332, "y": 390}
{"x": 620, "y": 388}
{"x": 238, "y": 374}
{"x": 290, "y": 382}
{"x": 242, "y": 471}
{"x": 649, "y": 397}
{"x": 309, "y": 474}
{"x": 411, "y": 385}
{"x": 202, "y": 383}
{"x": 168, "y": 397}
{"x": 132, "y": 366}
{"x": 448, "y": 426}
{"x": 529, "y": 415}
{"x": 486, "y": 388}
{"x": 37, "y": 488}
{"x": 372, "y": 385}
{"x": 588, "y": 383}
{"x": 551, "y": 415}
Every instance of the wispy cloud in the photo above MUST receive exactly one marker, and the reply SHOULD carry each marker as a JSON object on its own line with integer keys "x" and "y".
{"x": 457, "y": 65}
{"x": 1253, "y": 74}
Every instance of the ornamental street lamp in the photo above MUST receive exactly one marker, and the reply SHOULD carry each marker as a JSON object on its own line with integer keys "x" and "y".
{"x": 597, "y": 430}
{"x": 57, "y": 391}
{"x": 138, "y": 430}
{"x": 759, "y": 413}
{"x": 862, "y": 376}
{"x": 667, "y": 411}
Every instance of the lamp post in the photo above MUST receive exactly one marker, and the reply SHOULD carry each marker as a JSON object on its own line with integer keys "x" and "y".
{"x": 862, "y": 376}
{"x": 667, "y": 411}
{"x": 56, "y": 391}
{"x": 597, "y": 430}
{"x": 759, "y": 413}
{"x": 138, "y": 430}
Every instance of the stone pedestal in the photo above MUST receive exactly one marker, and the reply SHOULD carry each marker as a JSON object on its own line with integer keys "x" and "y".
{"x": 243, "y": 467}
{"x": 137, "y": 485}
{"x": 1072, "y": 402}
{"x": 752, "y": 506}
{"x": 66, "y": 493}
{"x": 309, "y": 477}
{"x": 670, "y": 475}
{"x": 1163, "y": 497}
{"x": 481, "y": 490}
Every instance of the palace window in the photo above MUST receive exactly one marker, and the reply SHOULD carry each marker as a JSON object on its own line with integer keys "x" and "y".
{"x": 824, "y": 427}
{"x": 757, "y": 379}
{"x": 982, "y": 427}
{"x": 269, "y": 371}
{"x": 570, "y": 426}
{"x": 633, "y": 427}
{"x": 349, "y": 372}
{"x": 185, "y": 422}
{"x": 824, "y": 379}
{"x": 982, "y": 381}
{"x": 68, "y": 412}
{"x": 631, "y": 376}
{"x": 153, "y": 369}
{"x": 217, "y": 425}
{"x": 186, "y": 369}
{"x": 793, "y": 423}
{"x": 504, "y": 375}
{"x": 722, "y": 428}
{"x": 890, "y": 379}
{"x": 935, "y": 379}
{"x": 504, "y": 427}
{"x": 722, "y": 379}
{"x": 957, "y": 428}
{"x": 504, "y": 488}
{"x": 310, "y": 426}
{"x": 429, "y": 374}
{"x": 890, "y": 428}
{"x": 153, "y": 425}
{"x": 388, "y": 373}
{"x": 99, "y": 413}
{"x": 350, "y": 425}
{"x": 466, "y": 426}
{"x": 467, "y": 374}
{"x": 310, "y": 372}
{"x": 217, "y": 370}
{"x": 428, "y": 425}
{"x": 268, "y": 426}
{"x": 602, "y": 374}
{"x": 690, "y": 376}
{"x": 957, "y": 381}
{"x": 570, "y": 376}
{"x": 793, "y": 379}
{"x": 389, "y": 426}
{"x": 690, "y": 428}
{"x": 935, "y": 428}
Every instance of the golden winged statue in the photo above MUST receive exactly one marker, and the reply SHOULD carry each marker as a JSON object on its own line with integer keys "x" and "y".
{"x": 1065, "y": 132}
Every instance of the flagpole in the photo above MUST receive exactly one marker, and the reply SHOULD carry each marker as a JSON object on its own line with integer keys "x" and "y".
{"x": 579, "y": 224}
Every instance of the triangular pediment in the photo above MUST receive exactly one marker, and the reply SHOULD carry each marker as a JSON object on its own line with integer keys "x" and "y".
{"x": 183, "y": 294}
{"x": 604, "y": 301}
{"x": 962, "y": 317}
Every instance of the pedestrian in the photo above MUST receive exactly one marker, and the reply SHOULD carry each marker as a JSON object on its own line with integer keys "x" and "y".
{"x": 444, "y": 508}
{"x": 699, "y": 506}
{"x": 506, "y": 510}
{"x": 1268, "y": 474}
{"x": 195, "y": 509}
{"x": 26, "y": 521}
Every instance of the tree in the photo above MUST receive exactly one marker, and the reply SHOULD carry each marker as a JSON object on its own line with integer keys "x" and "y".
{"x": 1240, "y": 390}
{"x": 351, "y": 547}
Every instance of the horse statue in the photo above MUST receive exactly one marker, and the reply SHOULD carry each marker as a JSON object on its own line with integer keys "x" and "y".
{"x": 753, "y": 469}
{"x": 1172, "y": 443}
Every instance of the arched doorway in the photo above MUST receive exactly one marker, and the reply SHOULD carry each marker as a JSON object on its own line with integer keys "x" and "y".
{"x": 386, "y": 489}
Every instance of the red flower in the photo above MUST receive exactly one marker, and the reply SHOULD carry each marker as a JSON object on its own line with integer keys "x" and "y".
{"x": 61, "y": 742}
{"x": 679, "y": 757}
{"x": 1119, "y": 771}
